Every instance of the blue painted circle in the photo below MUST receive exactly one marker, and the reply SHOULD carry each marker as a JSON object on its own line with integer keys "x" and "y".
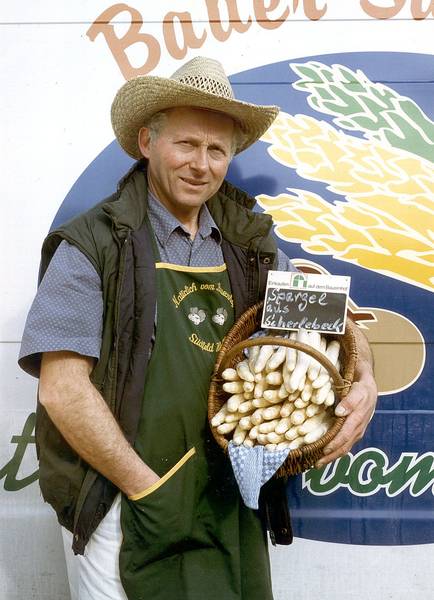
{"x": 405, "y": 421}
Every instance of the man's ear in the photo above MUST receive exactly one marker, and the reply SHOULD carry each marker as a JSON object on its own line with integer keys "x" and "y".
{"x": 144, "y": 141}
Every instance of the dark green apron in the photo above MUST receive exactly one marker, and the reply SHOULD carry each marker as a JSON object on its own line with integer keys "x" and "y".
{"x": 189, "y": 537}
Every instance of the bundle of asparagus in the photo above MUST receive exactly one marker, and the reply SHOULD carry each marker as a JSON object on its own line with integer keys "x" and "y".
{"x": 280, "y": 397}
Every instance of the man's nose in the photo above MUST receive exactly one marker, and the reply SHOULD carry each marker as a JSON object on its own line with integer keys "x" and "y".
{"x": 199, "y": 161}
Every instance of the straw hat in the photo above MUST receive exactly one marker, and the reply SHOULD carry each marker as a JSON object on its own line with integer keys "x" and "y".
{"x": 200, "y": 83}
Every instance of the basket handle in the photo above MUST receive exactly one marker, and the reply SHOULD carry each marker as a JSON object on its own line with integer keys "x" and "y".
{"x": 340, "y": 385}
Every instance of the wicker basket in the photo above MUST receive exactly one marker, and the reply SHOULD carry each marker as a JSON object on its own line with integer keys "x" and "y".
{"x": 231, "y": 353}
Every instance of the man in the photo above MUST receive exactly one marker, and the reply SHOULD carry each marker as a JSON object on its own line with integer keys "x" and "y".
{"x": 124, "y": 322}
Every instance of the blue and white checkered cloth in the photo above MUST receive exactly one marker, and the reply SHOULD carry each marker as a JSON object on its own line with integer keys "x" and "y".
{"x": 253, "y": 467}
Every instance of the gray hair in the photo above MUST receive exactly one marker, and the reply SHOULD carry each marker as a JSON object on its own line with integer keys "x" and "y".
{"x": 156, "y": 123}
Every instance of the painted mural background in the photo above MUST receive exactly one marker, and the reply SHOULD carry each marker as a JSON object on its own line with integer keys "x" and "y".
{"x": 346, "y": 173}
{"x": 347, "y": 177}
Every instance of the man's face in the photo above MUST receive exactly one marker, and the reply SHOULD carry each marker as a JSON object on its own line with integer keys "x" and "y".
{"x": 189, "y": 158}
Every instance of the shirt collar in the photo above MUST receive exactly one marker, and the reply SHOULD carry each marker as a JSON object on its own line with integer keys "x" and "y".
{"x": 164, "y": 223}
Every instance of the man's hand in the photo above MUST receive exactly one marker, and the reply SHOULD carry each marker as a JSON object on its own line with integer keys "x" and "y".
{"x": 358, "y": 406}
{"x": 85, "y": 421}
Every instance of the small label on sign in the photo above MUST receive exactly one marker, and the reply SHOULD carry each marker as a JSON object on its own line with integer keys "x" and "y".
{"x": 306, "y": 301}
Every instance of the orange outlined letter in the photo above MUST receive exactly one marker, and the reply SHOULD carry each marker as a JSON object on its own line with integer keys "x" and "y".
{"x": 382, "y": 12}
{"x": 190, "y": 38}
{"x": 118, "y": 46}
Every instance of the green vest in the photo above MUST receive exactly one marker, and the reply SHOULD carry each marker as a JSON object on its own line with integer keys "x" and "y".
{"x": 113, "y": 236}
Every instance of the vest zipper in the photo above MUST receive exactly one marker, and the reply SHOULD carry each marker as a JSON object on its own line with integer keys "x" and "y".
{"x": 119, "y": 286}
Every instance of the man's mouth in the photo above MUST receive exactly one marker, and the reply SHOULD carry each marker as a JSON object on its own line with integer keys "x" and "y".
{"x": 194, "y": 182}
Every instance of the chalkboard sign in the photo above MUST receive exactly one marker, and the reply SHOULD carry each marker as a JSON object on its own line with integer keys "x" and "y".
{"x": 306, "y": 301}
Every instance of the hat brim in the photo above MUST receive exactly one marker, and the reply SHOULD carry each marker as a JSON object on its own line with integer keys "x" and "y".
{"x": 140, "y": 98}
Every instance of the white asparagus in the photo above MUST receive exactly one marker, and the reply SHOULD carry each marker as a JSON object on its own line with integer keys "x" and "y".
{"x": 219, "y": 417}
{"x": 234, "y": 401}
{"x": 321, "y": 380}
{"x": 278, "y": 397}
{"x": 232, "y": 417}
{"x": 271, "y": 447}
{"x": 317, "y": 397}
{"x": 299, "y": 441}
{"x": 225, "y": 428}
{"x": 253, "y": 355}
{"x": 277, "y": 358}
{"x": 312, "y": 423}
{"x": 286, "y": 376}
{"x": 282, "y": 446}
{"x": 272, "y": 412}
{"x": 312, "y": 410}
{"x": 264, "y": 354}
{"x": 291, "y": 434}
{"x": 322, "y": 349}
{"x": 321, "y": 394}
{"x": 301, "y": 383}
{"x": 244, "y": 372}
{"x": 315, "y": 435}
{"x": 298, "y": 416}
{"x": 300, "y": 403}
{"x": 233, "y": 387}
{"x": 246, "y": 407}
{"x": 257, "y": 417}
{"x": 306, "y": 392}
{"x": 302, "y": 364}
{"x": 260, "y": 402}
{"x": 283, "y": 392}
{"x": 245, "y": 423}
{"x": 287, "y": 408}
{"x": 230, "y": 375}
{"x": 283, "y": 425}
{"x": 330, "y": 398}
{"x": 315, "y": 366}
{"x": 323, "y": 344}
{"x": 260, "y": 386}
{"x": 253, "y": 433}
{"x": 271, "y": 396}
{"x": 274, "y": 378}
{"x": 262, "y": 439}
{"x": 239, "y": 436}
{"x": 248, "y": 386}
{"x": 268, "y": 426}
{"x": 332, "y": 353}
{"x": 291, "y": 354}
{"x": 275, "y": 438}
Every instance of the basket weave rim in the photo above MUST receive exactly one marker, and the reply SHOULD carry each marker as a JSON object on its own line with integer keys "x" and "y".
{"x": 298, "y": 459}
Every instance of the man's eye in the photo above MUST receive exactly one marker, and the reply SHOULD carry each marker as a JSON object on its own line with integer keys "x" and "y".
{"x": 217, "y": 152}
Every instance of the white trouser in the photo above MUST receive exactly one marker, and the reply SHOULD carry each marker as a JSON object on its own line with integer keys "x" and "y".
{"x": 95, "y": 575}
